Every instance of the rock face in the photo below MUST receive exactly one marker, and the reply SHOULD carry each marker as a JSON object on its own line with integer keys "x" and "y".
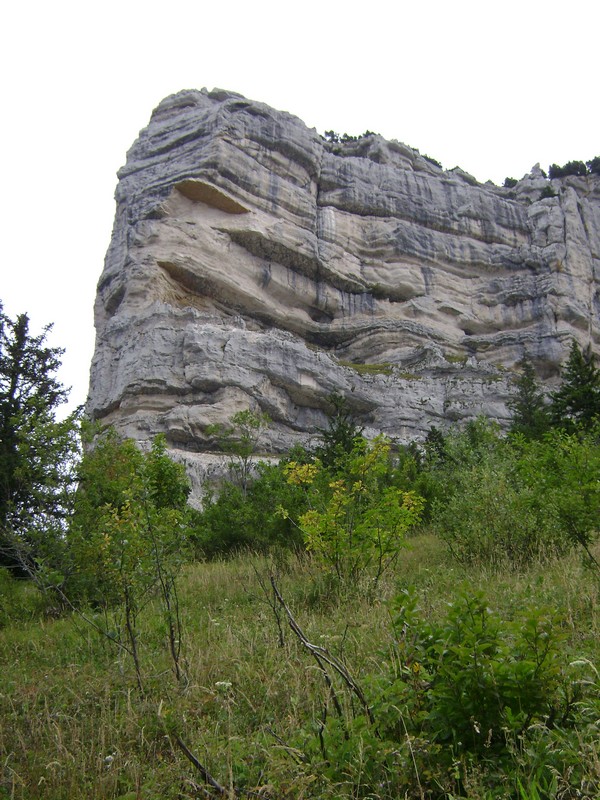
{"x": 255, "y": 265}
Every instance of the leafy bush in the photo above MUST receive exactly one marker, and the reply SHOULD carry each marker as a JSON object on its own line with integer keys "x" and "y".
{"x": 547, "y": 191}
{"x": 128, "y": 539}
{"x": 514, "y": 501}
{"x": 242, "y": 514}
{"x": 494, "y": 518}
{"x": 129, "y": 515}
{"x": 455, "y": 698}
{"x": 510, "y": 183}
{"x": 231, "y": 521}
{"x": 356, "y": 523}
{"x": 561, "y": 475}
{"x": 474, "y": 678}
{"x": 473, "y": 686}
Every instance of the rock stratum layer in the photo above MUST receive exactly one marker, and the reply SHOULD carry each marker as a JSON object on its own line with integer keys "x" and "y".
{"x": 255, "y": 265}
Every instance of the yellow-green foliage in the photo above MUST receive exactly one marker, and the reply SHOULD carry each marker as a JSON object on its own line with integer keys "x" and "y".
{"x": 357, "y": 522}
{"x": 128, "y": 520}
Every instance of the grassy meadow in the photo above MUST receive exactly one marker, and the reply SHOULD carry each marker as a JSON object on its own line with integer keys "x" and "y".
{"x": 263, "y": 716}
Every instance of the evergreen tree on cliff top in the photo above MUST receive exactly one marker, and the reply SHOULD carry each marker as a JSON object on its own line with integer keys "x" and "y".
{"x": 35, "y": 450}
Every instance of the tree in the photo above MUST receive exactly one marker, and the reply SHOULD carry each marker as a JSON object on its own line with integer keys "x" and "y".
{"x": 528, "y": 404}
{"x": 435, "y": 446}
{"x": 37, "y": 452}
{"x": 342, "y": 434}
{"x": 570, "y": 168}
{"x": 128, "y": 535}
{"x": 240, "y": 440}
{"x": 576, "y": 403}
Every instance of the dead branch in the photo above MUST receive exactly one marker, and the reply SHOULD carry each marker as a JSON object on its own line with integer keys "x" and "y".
{"x": 214, "y": 784}
{"x": 206, "y": 776}
{"x": 323, "y": 656}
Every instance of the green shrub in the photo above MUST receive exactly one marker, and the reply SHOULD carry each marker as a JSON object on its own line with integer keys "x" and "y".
{"x": 481, "y": 677}
{"x": 433, "y": 161}
{"x": 232, "y": 521}
{"x": 128, "y": 541}
{"x": 356, "y": 523}
{"x": 547, "y": 191}
{"x": 512, "y": 501}
{"x": 457, "y": 701}
{"x": 129, "y": 518}
{"x": 560, "y": 472}
{"x": 493, "y": 518}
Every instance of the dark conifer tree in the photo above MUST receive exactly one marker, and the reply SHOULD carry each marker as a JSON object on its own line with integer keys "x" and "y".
{"x": 576, "y": 403}
{"x": 34, "y": 446}
{"x": 530, "y": 416}
{"x": 435, "y": 446}
{"x": 340, "y": 438}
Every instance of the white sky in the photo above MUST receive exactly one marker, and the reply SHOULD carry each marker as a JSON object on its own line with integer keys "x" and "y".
{"x": 493, "y": 88}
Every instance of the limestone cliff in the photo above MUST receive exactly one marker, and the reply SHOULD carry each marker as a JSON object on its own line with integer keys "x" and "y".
{"x": 255, "y": 265}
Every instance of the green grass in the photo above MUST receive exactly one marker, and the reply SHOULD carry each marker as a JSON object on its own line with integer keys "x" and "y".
{"x": 72, "y": 724}
{"x": 368, "y": 369}
{"x": 410, "y": 376}
{"x": 456, "y": 359}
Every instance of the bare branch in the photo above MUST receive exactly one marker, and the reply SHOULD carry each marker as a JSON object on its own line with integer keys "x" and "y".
{"x": 206, "y": 776}
{"x": 322, "y": 655}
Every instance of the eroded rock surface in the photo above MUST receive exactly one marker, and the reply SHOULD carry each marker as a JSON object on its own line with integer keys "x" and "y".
{"x": 255, "y": 265}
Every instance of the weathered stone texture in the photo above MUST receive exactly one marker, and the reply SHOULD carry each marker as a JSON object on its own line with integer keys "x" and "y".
{"x": 252, "y": 263}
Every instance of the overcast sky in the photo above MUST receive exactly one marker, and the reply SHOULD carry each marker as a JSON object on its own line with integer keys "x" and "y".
{"x": 493, "y": 88}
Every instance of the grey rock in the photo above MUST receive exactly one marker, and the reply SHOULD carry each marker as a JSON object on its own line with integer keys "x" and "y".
{"x": 255, "y": 265}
